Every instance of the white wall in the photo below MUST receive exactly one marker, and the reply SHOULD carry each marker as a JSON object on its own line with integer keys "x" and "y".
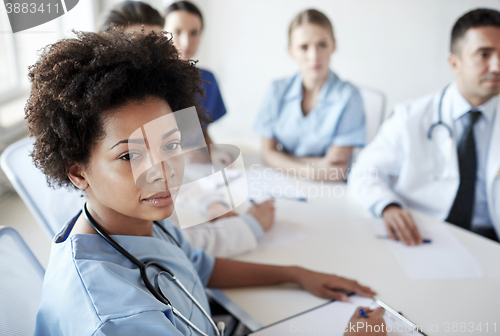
{"x": 397, "y": 46}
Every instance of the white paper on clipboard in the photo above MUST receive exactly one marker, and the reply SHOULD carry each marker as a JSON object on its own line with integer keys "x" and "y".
{"x": 332, "y": 319}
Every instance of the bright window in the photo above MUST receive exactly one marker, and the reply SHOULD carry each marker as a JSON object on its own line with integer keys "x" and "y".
{"x": 20, "y": 50}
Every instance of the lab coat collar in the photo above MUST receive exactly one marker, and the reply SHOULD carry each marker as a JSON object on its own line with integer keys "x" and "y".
{"x": 461, "y": 106}
{"x": 295, "y": 90}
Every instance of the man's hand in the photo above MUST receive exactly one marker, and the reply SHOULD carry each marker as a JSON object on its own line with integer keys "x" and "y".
{"x": 359, "y": 323}
{"x": 264, "y": 214}
{"x": 330, "y": 286}
{"x": 400, "y": 225}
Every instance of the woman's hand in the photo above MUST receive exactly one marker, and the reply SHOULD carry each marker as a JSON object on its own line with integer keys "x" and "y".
{"x": 328, "y": 170}
{"x": 218, "y": 210}
{"x": 264, "y": 214}
{"x": 220, "y": 158}
{"x": 330, "y": 286}
{"x": 358, "y": 325}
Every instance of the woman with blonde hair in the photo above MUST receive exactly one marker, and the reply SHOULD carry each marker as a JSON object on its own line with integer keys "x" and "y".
{"x": 311, "y": 121}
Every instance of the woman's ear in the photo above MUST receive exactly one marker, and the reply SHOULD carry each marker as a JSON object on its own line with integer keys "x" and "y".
{"x": 76, "y": 174}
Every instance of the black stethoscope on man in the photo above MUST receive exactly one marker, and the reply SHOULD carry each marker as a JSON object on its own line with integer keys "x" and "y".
{"x": 155, "y": 289}
{"x": 446, "y": 171}
{"x": 440, "y": 117}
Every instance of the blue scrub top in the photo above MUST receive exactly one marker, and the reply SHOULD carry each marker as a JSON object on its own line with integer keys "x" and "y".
{"x": 213, "y": 102}
{"x": 91, "y": 289}
{"x": 338, "y": 118}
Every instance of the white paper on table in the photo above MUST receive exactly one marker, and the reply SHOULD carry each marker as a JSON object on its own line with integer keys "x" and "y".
{"x": 280, "y": 234}
{"x": 444, "y": 258}
{"x": 332, "y": 319}
{"x": 265, "y": 183}
{"x": 258, "y": 184}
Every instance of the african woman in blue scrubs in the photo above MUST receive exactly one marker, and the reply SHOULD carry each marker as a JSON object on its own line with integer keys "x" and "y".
{"x": 311, "y": 121}
{"x": 246, "y": 230}
{"x": 185, "y": 21}
{"x": 93, "y": 100}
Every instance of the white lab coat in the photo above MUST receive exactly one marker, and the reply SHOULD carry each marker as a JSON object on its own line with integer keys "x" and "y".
{"x": 226, "y": 237}
{"x": 400, "y": 163}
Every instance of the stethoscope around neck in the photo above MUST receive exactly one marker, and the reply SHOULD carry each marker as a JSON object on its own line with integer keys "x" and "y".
{"x": 446, "y": 172}
{"x": 440, "y": 117}
{"x": 155, "y": 289}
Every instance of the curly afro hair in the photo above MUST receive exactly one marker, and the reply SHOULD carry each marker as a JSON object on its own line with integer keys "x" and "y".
{"x": 77, "y": 80}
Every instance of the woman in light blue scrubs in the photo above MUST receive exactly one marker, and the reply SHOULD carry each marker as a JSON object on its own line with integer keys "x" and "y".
{"x": 311, "y": 121}
{"x": 185, "y": 21}
{"x": 101, "y": 112}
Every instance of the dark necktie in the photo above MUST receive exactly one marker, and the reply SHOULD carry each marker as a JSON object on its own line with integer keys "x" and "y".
{"x": 461, "y": 210}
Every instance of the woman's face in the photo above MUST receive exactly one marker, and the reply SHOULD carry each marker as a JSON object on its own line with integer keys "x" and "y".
{"x": 186, "y": 31}
{"x": 135, "y": 170}
{"x": 311, "y": 46}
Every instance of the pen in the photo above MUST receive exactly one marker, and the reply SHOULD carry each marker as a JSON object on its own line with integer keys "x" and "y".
{"x": 398, "y": 315}
{"x": 424, "y": 240}
{"x": 362, "y": 313}
{"x": 298, "y": 199}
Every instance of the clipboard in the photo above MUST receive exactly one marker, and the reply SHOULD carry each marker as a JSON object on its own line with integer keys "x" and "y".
{"x": 332, "y": 318}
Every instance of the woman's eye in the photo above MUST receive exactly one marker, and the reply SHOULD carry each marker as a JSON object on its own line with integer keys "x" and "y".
{"x": 129, "y": 156}
{"x": 322, "y": 45}
{"x": 194, "y": 33}
{"x": 303, "y": 47}
{"x": 172, "y": 146}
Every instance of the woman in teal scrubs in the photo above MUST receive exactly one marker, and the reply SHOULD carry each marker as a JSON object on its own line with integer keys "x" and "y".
{"x": 94, "y": 101}
{"x": 311, "y": 121}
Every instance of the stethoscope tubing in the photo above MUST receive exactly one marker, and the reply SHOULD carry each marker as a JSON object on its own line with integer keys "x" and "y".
{"x": 440, "y": 117}
{"x": 156, "y": 292}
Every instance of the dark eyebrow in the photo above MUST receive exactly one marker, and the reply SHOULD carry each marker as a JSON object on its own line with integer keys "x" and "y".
{"x": 169, "y": 133}
{"x": 141, "y": 141}
{"x": 138, "y": 141}
{"x": 483, "y": 49}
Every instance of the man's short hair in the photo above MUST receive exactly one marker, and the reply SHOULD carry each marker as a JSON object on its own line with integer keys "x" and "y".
{"x": 480, "y": 17}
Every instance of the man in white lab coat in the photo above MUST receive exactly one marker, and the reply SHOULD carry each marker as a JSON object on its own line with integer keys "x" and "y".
{"x": 440, "y": 154}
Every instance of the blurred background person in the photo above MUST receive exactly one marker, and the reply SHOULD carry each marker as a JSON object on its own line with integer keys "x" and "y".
{"x": 185, "y": 21}
{"x": 440, "y": 154}
{"x": 313, "y": 119}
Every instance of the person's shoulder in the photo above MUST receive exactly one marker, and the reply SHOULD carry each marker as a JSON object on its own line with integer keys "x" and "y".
{"x": 341, "y": 87}
{"x": 282, "y": 86}
{"x": 64, "y": 279}
{"x": 285, "y": 80}
{"x": 415, "y": 108}
{"x": 207, "y": 75}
